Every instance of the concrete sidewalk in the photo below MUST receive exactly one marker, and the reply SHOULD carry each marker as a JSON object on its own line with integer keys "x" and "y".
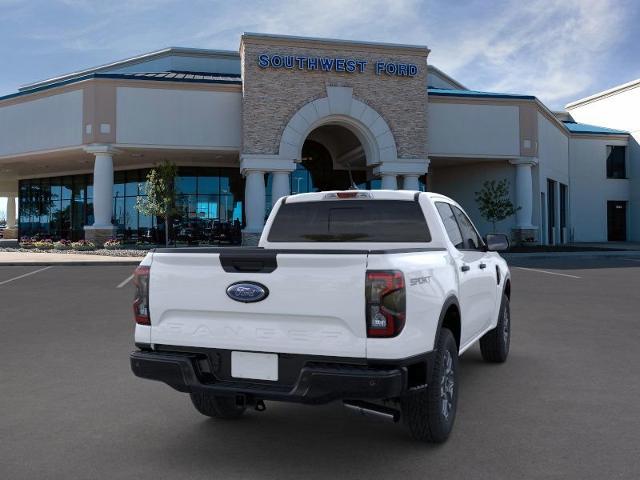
{"x": 32, "y": 258}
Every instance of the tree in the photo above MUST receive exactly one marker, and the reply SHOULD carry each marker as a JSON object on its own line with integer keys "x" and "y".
{"x": 160, "y": 193}
{"x": 494, "y": 203}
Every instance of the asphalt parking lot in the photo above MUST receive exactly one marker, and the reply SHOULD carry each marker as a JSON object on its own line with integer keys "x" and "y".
{"x": 565, "y": 405}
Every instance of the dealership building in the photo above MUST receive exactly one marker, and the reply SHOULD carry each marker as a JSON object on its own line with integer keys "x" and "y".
{"x": 288, "y": 115}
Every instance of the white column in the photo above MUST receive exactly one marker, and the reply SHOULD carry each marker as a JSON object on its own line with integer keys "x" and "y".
{"x": 279, "y": 186}
{"x": 103, "y": 190}
{"x": 254, "y": 199}
{"x": 409, "y": 169}
{"x": 411, "y": 182}
{"x": 11, "y": 211}
{"x": 389, "y": 181}
{"x": 524, "y": 191}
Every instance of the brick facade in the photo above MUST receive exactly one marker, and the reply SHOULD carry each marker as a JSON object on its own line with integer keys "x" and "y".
{"x": 271, "y": 96}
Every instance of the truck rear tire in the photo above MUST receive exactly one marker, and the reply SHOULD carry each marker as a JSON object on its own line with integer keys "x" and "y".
{"x": 216, "y": 406}
{"x": 494, "y": 345}
{"x": 430, "y": 413}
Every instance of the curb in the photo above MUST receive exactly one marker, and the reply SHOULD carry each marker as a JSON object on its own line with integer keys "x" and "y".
{"x": 595, "y": 254}
{"x": 80, "y": 263}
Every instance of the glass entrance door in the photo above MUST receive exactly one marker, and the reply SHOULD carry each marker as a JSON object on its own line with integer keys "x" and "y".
{"x": 617, "y": 221}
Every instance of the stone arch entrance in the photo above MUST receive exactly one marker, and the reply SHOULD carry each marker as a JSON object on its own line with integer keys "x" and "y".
{"x": 341, "y": 109}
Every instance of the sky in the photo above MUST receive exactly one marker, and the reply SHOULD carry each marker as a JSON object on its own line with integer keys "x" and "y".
{"x": 558, "y": 50}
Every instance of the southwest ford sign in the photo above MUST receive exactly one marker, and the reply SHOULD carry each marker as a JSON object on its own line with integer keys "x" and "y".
{"x": 331, "y": 64}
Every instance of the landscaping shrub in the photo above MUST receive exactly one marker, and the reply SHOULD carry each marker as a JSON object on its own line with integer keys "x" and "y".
{"x": 113, "y": 244}
{"x": 62, "y": 245}
{"x": 46, "y": 244}
{"x": 26, "y": 242}
{"x": 83, "y": 245}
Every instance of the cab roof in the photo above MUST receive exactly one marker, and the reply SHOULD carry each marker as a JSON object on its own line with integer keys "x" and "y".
{"x": 408, "y": 195}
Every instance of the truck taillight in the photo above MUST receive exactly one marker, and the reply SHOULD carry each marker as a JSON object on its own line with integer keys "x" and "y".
{"x": 386, "y": 303}
{"x": 141, "y": 300}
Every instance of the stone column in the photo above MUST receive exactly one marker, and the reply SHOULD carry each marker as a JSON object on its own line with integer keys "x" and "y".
{"x": 102, "y": 228}
{"x": 254, "y": 206}
{"x": 253, "y": 168}
{"x": 11, "y": 211}
{"x": 410, "y": 169}
{"x": 411, "y": 182}
{"x": 11, "y": 232}
{"x": 524, "y": 230}
{"x": 389, "y": 181}
{"x": 280, "y": 186}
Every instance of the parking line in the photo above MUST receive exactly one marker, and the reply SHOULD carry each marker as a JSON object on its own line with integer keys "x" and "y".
{"x": 550, "y": 273}
{"x": 25, "y": 275}
{"x": 125, "y": 281}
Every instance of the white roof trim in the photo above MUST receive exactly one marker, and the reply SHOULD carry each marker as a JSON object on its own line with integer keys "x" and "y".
{"x": 604, "y": 93}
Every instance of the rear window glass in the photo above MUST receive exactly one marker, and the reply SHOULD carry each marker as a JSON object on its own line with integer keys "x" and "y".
{"x": 350, "y": 221}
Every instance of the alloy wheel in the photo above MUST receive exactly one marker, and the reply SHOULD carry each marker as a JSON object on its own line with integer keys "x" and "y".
{"x": 447, "y": 384}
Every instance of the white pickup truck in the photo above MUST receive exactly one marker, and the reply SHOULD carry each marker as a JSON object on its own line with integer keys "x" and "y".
{"x": 367, "y": 297}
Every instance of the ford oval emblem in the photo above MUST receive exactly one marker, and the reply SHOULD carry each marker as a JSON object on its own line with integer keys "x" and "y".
{"x": 247, "y": 292}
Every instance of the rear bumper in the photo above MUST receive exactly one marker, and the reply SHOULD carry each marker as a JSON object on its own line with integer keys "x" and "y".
{"x": 316, "y": 382}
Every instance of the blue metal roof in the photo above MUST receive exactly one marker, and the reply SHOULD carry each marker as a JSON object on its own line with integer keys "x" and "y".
{"x": 176, "y": 75}
{"x": 188, "y": 77}
{"x": 575, "y": 127}
{"x": 444, "y": 92}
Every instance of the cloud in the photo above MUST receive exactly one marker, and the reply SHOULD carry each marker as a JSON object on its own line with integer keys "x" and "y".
{"x": 558, "y": 50}
{"x": 348, "y": 19}
{"x": 551, "y": 49}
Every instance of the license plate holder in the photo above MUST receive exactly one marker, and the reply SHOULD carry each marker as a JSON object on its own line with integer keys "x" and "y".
{"x": 254, "y": 366}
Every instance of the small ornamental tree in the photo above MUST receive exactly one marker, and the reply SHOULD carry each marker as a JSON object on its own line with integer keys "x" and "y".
{"x": 494, "y": 203}
{"x": 160, "y": 200}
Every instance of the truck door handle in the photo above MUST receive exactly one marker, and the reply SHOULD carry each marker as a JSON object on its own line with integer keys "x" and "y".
{"x": 483, "y": 265}
{"x": 465, "y": 268}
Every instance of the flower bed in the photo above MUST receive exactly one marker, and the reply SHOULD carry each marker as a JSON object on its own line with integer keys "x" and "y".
{"x": 112, "y": 248}
{"x": 83, "y": 245}
{"x": 62, "y": 245}
{"x": 113, "y": 244}
{"x": 26, "y": 242}
{"x": 43, "y": 244}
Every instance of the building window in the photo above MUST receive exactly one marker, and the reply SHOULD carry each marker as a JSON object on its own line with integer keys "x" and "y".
{"x": 209, "y": 204}
{"x": 209, "y": 207}
{"x": 54, "y": 207}
{"x": 616, "y": 161}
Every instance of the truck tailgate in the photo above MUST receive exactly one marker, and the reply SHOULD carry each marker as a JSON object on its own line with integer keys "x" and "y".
{"x": 315, "y": 304}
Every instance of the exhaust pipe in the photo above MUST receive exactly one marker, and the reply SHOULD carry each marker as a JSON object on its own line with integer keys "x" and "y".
{"x": 373, "y": 410}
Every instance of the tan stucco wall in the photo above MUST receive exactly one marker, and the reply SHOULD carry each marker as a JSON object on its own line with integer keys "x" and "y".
{"x": 271, "y": 96}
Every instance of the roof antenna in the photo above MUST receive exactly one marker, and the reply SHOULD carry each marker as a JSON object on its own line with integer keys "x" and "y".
{"x": 352, "y": 185}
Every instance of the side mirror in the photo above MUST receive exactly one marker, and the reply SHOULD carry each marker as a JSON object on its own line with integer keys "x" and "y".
{"x": 497, "y": 242}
